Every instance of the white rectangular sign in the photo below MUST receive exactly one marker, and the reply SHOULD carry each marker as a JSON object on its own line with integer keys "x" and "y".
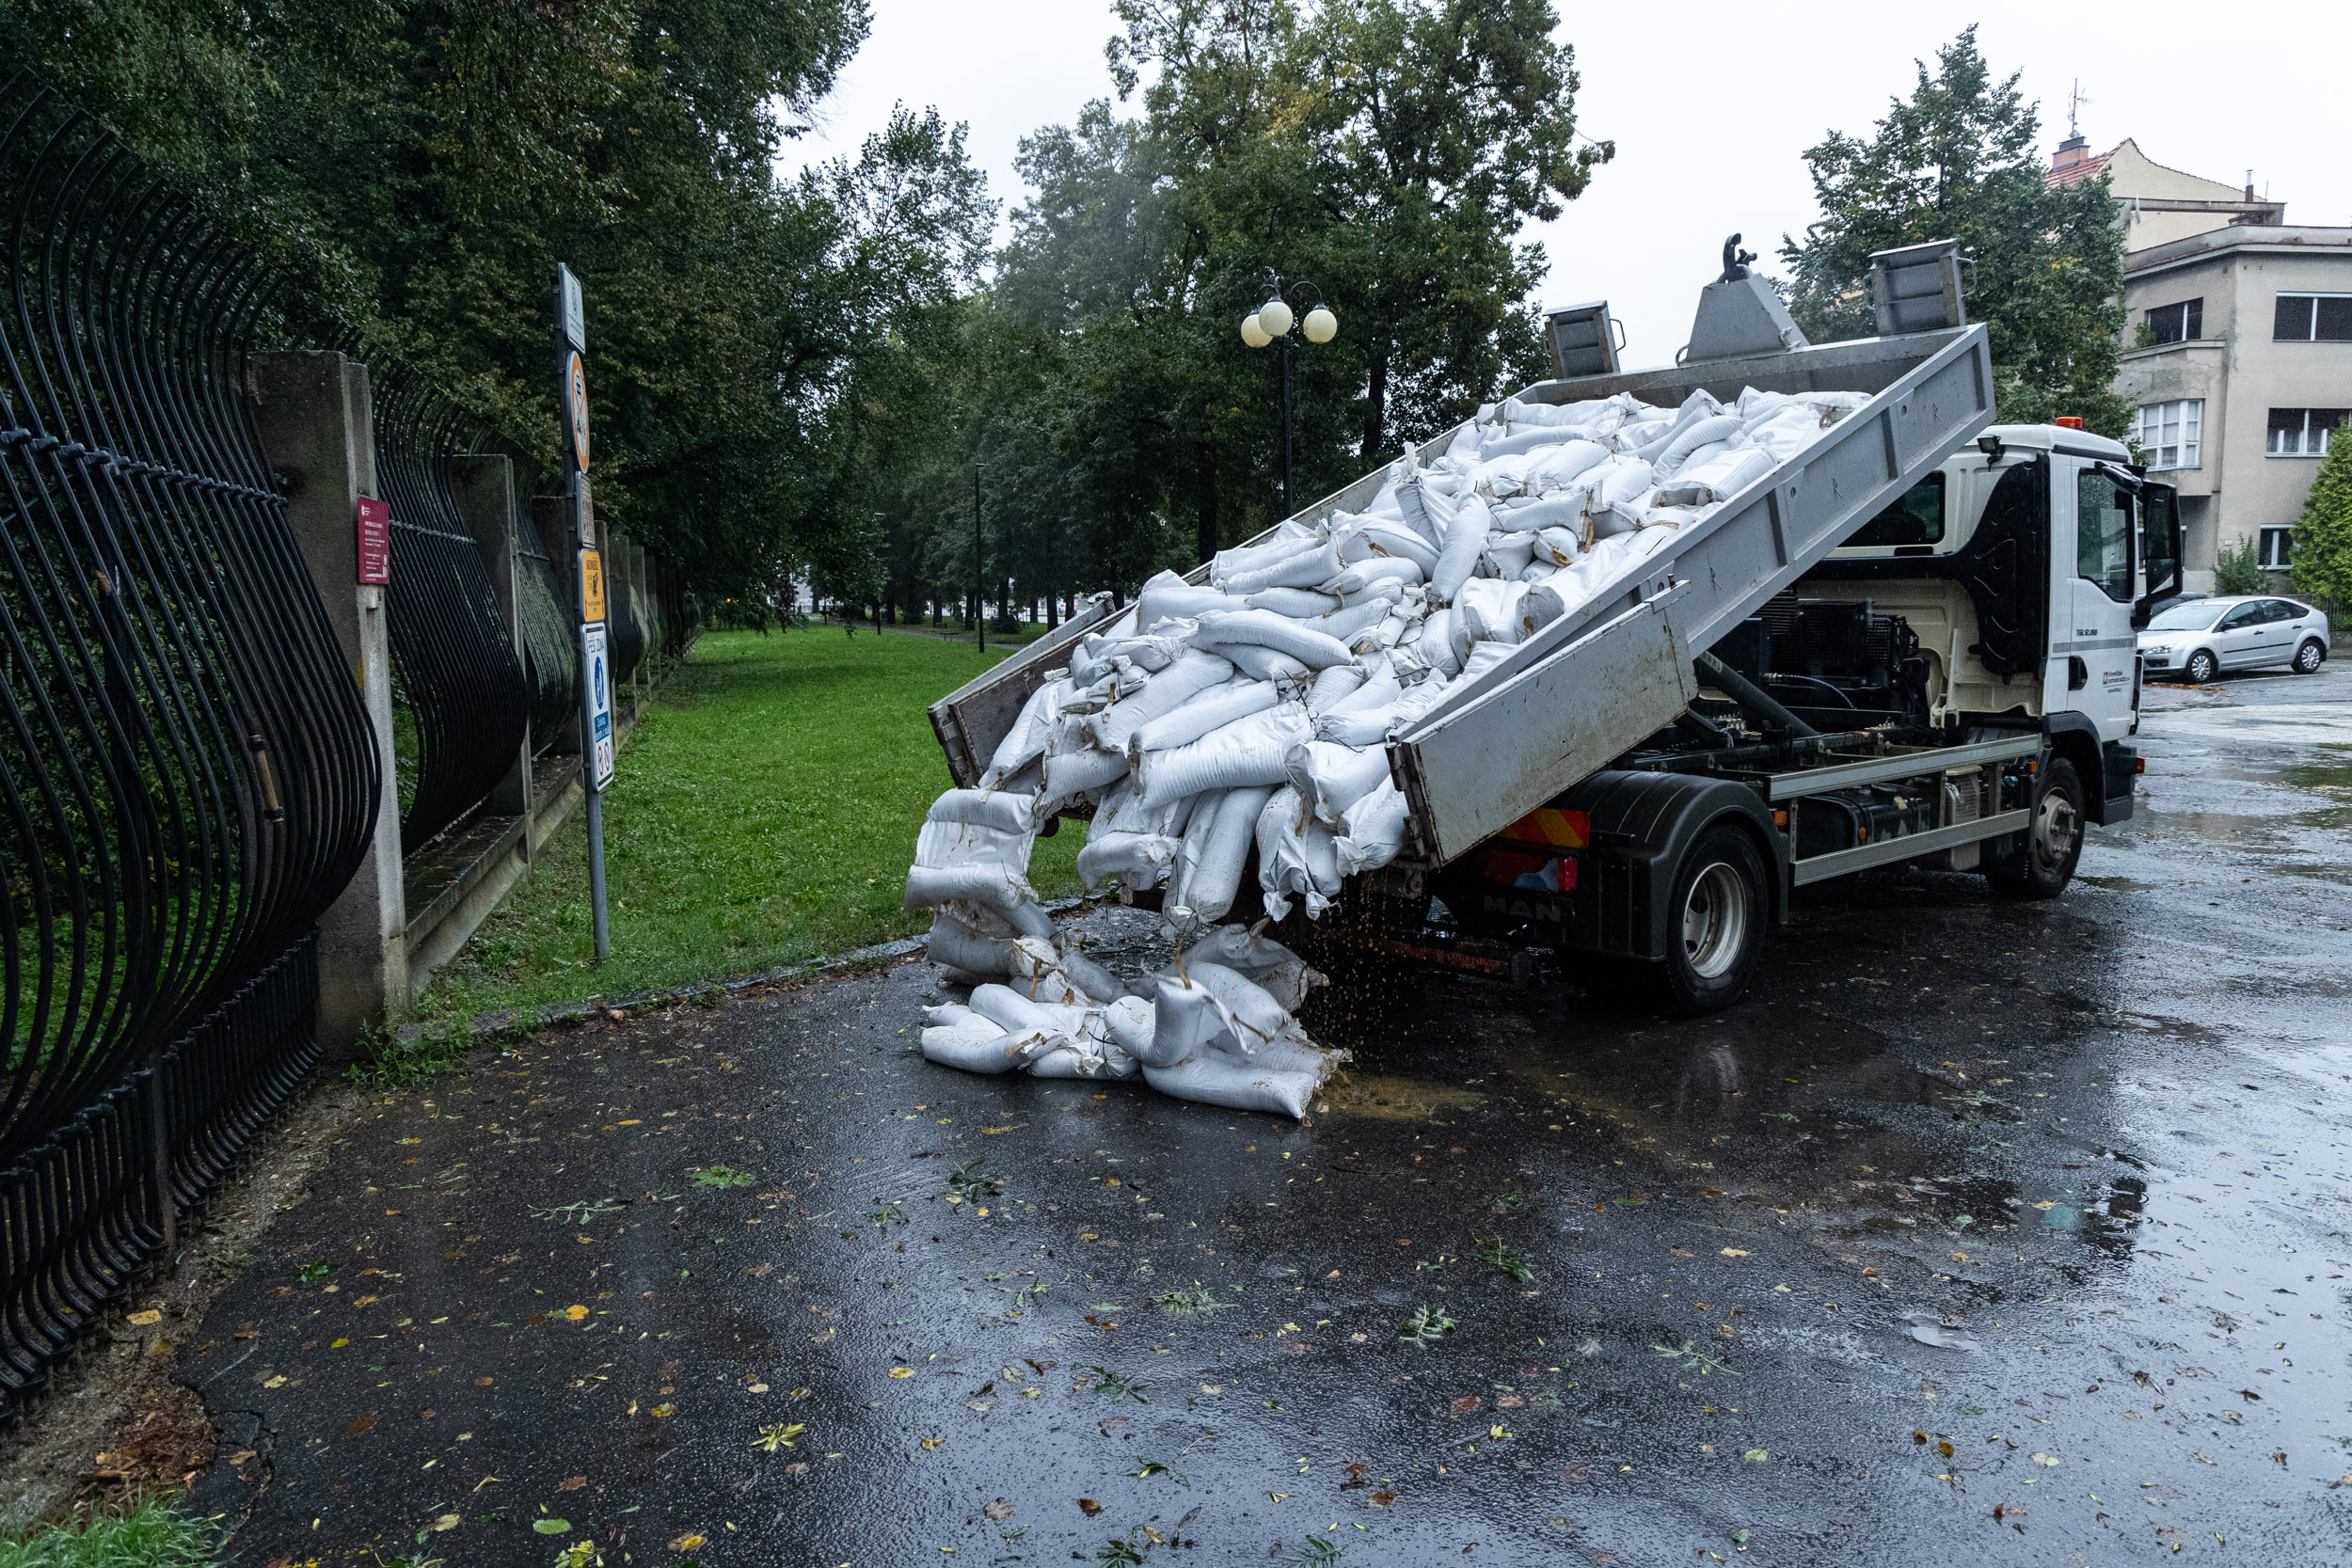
{"x": 597, "y": 661}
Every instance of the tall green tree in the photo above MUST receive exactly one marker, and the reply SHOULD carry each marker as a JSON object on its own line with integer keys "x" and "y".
{"x": 417, "y": 167}
{"x": 1958, "y": 159}
{"x": 2323, "y": 535}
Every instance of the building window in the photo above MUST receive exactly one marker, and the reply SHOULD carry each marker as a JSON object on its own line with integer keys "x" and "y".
{"x": 2302, "y": 432}
{"x": 2278, "y": 547}
{"x": 2313, "y": 319}
{"x": 2170, "y": 434}
{"x": 2177, "y": 323}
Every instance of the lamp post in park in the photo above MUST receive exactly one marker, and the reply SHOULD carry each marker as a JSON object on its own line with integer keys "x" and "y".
{"x": 980, "y": 584}
{"x": 1272, "y": 323}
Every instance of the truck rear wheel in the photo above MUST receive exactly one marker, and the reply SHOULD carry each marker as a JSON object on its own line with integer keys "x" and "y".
{"x": 1715, "y": 924}
{"x": 2054, "y": 842}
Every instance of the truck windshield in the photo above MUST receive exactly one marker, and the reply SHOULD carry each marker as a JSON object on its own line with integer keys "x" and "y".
{"x": 2186, "y": 617}
{"x": 1916, "y": 517}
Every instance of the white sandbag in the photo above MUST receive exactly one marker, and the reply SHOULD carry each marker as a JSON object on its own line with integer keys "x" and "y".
{"x": 1254, "y": 1019}
{"x": 1267, "y": 664}
{"x": 1700, "y": 404}
{"x": 1242, "y": 560}
{"x": 1122, "y": 810}
{"x": 1170, "y": 597}
{"x": 1489, "y": 609}
{"x": 1285, "y": 1089}
{"x": 1424, "y": 511}
{"x": 1215, "y": 878}
{"x": 1466, "y": 536}
{"x": 1302, "y": 570}
{"x": 1371, "y": 830}
{"x": 1436, "y": 647}
{"x": 1196, "y": 830}
{"x": 955, "y": 944}
{"x": 1507, "y": 554}
{"x": 1299, "y": 604}
{"x": 1693, "y": 437}
{"x": 1265, "y": 630}
{"x": 1561, "y": 545}
{"x": 1330, "y": 777}
{"x": 1025, "y": 740}
{"x": 1140, "y": 861}
{"x": 1186, "y": 1019}
{"x": 1483, "y": 657}
{"x": 1719, "y": 479}
{"x": 1559, "y": 467}
{"x": 1374, "y": 573}
{"x": 1372, "y": 726}
{"x": 1074, "y": 773}
{"x": 1334, "y": 685}
{"x": 1248, "y": 751}
{"x": 1378, "y": 537}
{"x": 1527, "y": 440}
{"x": 1213, "y": 710}
{"x": 1166, "y": 693}
{"x": 1278, "y": 971}
{"x": 973, "y": 1044}
{"x": 1128, "y": 1024}
{"x": 1092, "y": 978}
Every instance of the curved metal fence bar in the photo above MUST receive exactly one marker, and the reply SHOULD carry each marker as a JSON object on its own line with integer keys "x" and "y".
{"x": 551, "y": 656}
{"x": 456, "y": 658}
{"x": 186, "y": 774}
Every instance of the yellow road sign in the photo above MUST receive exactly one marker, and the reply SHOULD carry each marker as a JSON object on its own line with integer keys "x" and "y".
{"x": 590, "y": 586}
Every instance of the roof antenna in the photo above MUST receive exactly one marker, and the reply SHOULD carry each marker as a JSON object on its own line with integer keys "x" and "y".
{"x": 2074, "y": 102}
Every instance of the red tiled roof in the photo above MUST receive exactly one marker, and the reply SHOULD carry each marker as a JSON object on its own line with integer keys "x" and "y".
{"x": 2074, "y": 174}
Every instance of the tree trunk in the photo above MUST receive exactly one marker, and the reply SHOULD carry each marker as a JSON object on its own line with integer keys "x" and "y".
{"x": 1204, "y": 484}
{"x": 1376, "y": 408}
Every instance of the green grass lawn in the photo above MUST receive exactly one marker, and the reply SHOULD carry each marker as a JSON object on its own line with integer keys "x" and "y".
{"x": 764, "y": 810}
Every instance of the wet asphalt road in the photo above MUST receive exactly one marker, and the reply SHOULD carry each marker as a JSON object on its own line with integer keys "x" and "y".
{"x": 1981, "y": 1232}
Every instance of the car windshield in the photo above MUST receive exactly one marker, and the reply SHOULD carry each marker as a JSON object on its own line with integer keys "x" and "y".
{"x": 2188, "y": 617}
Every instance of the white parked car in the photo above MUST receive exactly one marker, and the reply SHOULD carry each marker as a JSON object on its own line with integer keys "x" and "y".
{"x": 2198, "y": 639}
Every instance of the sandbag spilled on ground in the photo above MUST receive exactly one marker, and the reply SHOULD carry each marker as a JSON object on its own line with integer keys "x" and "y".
{"x": 1245, "y": 725}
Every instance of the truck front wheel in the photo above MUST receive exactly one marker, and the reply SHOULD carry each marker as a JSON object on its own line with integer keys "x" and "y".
{"x": 1715, "y": 924}
{"x": 2053, "y": 844}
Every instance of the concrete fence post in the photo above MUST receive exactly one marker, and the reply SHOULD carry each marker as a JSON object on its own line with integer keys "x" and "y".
{"x": 317, "y": 424}
{"x": 485, "y": 486}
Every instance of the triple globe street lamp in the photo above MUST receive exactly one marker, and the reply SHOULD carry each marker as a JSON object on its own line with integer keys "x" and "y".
{"x": 1272, "y": 323}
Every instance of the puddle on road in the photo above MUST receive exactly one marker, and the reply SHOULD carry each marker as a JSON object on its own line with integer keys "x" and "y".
{"x": 1392, "y": 1099}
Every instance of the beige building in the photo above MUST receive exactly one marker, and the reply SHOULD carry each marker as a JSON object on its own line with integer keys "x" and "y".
{"x": 2238, "y": 348}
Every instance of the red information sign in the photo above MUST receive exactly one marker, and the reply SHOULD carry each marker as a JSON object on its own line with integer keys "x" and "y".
{"x": 375, "y": 539}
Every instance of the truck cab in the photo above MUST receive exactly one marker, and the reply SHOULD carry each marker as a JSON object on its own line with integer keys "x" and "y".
{"x": 1955, "y": 687}
{"x": 2017, "y": 575}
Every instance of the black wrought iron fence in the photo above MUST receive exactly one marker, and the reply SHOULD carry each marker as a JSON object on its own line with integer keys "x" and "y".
{"x": 464, "y": 687}
{"x": 550, "y": 658}
{"x": 186, "y": 774}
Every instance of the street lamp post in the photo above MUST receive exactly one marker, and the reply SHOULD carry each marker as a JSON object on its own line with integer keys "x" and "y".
{"x": 1272, "y": 323}
{"x": 979, "y": 609}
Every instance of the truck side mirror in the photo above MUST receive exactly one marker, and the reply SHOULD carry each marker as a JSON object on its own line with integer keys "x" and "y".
{"x": 2161, "y": 548}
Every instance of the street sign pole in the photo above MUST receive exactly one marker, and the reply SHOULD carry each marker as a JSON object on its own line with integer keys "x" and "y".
{"x": 595, "y": 662}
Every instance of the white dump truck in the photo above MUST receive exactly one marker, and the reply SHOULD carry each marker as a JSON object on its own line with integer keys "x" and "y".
{"x": 1912, "y": 643}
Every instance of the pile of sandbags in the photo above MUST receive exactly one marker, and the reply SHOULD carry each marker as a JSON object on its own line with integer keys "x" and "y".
{"x": 1246, "y": 723}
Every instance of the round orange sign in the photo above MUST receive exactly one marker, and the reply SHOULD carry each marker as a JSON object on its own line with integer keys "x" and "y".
{"x": 578, "y": 380}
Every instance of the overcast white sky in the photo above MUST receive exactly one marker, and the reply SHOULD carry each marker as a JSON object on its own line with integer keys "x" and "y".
{"x": 1710, "y": 106}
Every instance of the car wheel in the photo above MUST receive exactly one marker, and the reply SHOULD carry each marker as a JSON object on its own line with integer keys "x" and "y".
{"x": 2053, "y": 840}
{"x": 2309, "y": 658}
{"x": 2200, "y": 668}
{"x": 1715, "y": 924}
